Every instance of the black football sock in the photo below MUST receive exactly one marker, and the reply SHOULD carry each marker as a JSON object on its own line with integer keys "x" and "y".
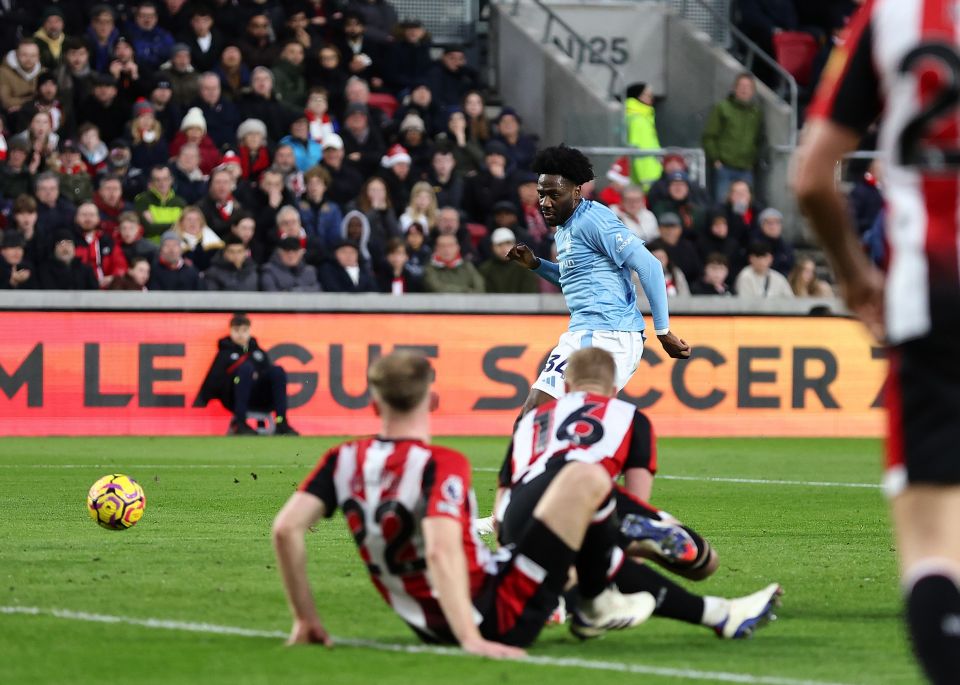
{"x": 673, "y": 601}
{"x": 933, "y": 616}
{"x": 598, "y": 553}
{"x": 545, "y": 548}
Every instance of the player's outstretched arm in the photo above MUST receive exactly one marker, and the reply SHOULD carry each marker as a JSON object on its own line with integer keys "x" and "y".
{"x": 290, "y": 526}
{"x": 447, "y": 565}
{"x": 650, "y": 271}
{"x": 544, "y": 268}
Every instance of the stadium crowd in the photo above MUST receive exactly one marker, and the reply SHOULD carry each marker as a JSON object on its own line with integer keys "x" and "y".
{"x": 305, "y": 146}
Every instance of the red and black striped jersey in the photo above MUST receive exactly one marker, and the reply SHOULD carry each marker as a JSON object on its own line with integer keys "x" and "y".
{"x": 900, "y": 66}
{"x": 583, "y": 427}
{"x": 385, "y": 489}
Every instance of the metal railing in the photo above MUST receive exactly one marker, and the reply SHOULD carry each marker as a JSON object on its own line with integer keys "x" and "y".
{"x": 616, "y": 86}
{"x": 695, "y": 157}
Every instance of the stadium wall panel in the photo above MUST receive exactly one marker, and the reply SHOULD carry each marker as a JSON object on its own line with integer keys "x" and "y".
{"x": 132, "y": 373}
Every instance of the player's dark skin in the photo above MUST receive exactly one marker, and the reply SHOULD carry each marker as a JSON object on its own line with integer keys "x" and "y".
{"x": 559, "y": 198}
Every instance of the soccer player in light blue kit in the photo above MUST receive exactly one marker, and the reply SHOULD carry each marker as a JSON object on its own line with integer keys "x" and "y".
{"x": 595, "y": 255}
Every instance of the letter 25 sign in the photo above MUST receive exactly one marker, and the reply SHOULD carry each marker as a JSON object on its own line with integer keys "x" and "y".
{"x": 80, "y": 373}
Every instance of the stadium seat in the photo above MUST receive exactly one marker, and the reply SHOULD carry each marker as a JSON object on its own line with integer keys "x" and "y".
{"x": 385, "y": 102}
{"x": 795, "y": 51}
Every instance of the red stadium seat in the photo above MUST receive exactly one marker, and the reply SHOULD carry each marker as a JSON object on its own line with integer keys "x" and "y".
{"x": 477, "y": 233}
{"x": 385, "y": 102}
{"x": 795, "y": 52}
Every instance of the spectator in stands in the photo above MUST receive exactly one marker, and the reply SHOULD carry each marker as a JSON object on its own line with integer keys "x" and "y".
{"x": 619, "y": 176}
{"x": 771, "y": 232}
{"x": 18, "y": 75}
{"x": 118, "y": 162}
{"x": 362, "y": 142}
{"x": 346, "y": 273}
{"x": 286, "y": 224}
{"x": 135, "y": 278}
{"x": 151, "y": 43}
{"x": 287, "y": 271}
{"x": 531, "y": 218}
{"x": 289, "y": 82}
{"x": 716, "y": 239}
{"x": 242, "y": 377}
{"x": 53, "y": 211}
{"x": 758, "y": 279}
{"x": 634, "y": 214}
{"x": 270, "y": 196}
{"x": 866, "y": 197}
{"x": 734, "y": 135}
{"x": 345, "y": 180}
{"x": 659, "y": 191}
{"x": 129, "y": 238}
{"x": 379, "y": 16}
{"x": 421, "y": 208}
{"x": 75, "y": 183}
{"x": 102, "y": 35}
{"x": 46, "y": 100}
{"x": 124, "y": 68}
{"x": 319, "y": 121}
{"x": 159, "y": 206}
{"x": 166, "y": 111}
{"x": 357, "y": 92}
{"x": 673, "y": 276}
{"x": 95, "y": 247}
{"x": 521, "y": 147}
{"x": 479, "y": 129}
{"x": 252, "y": 148}
{"x": 16, "y": 273}
{"x": 189, "y": 181}
{"x": 506, "y": 215}
{"x": 193, "y": 130}
{"x": 443, "y": 176}
{"x": 298, "y": 26}
{"x": 319, "y": 216}
{"x": 171, "y": 271}
{"x": 257, "y": 45}
{"x": 38, "y": 246}
{"x": 418, "y": 250}
{"x": 413, "y": 137}
{"x": 363, "y": 55}
{"x": 220, "y": 115}
{"x": 74, "y": 76}
{"x": 355, "y": 229}
{"x": 203, "y": 38}
{"x": 233, "y": 73}
{"x": 716, "y": 271}
{"x": 679, "y": 201}
{"x": 40, "y": 139}
{"x": 742, "y": 214}
{"x": 110, "y": 203}
{"x": 451, "y": 78}
{"x": 103, "y": 109}
{"x": 408, "y": 56}
{"x": 420, "y": 102}
{"x": 50, "y": 37}
{"x": 761, "y": 20}
{"x": 331, "y": 76}
{"x": 183, "y": 77}
{"x": 307, "y": 152}
{"x": 374, "y": 202}
{"x": 502, "y": 275}
{"x": 199, "y": 242}
{"x": 641, "y": 126}
{"x": 495, "y": 182}
{"x": 804, "y": 282}
{"x": 682, "y": 252}
{"x": 396, "y": 174}
{"x": 396, "y": 276}
{"x": 261, "y": 103}
{"x": 449, "y": 272}
{"x": 448, "y": 223}
{"x": 16, "y": 177}
{"x": 243, "y": 225}
{"x": 92, "y": 149}
{"x": 232, "y": 268}
{"x": 65, "y": 271}
{"x": 150, "y": 146}
{"x": 467, "y": 153}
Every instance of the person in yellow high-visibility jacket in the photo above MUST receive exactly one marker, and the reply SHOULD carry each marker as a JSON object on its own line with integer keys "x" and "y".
{"x": 641, "y": 128}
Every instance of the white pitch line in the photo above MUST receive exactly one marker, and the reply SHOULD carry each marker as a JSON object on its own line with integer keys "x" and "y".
{"x": 557, "y": 662}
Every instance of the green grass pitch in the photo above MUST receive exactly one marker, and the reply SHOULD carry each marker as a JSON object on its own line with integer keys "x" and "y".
{"x": 202, "y": 553}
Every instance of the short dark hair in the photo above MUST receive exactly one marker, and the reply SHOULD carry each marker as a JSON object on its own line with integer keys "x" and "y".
{"x": 759, "y": 248}
{"x": 395, "y": 244}
{"x": 232, "y": 239}
{"x": 238, "y": 216}
{"x": 74, "y": 43}
{"x": 564, "y": 161}
{"x": 136, "y": 259}
{"x": 239, "y": 319}
{"x": 158, "y": 167}
{"x": 717, "y": 258}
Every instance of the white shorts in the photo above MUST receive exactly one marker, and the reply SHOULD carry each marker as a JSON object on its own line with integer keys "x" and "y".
{"x": 625, "y": 346}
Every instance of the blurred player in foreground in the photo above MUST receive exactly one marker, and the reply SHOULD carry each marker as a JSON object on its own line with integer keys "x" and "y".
{"x": 901, "y": 63}
{"x": 595, "y": 255}
{"x": 410, "y": 507}
{"x": 589, "y": 425}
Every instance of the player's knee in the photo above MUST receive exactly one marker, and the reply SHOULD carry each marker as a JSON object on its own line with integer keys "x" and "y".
{"x": 591, "y": 480}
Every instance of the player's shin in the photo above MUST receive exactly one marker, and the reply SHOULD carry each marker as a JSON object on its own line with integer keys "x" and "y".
{"x": 933, "y": 616}
{"x": 673, "y": 601}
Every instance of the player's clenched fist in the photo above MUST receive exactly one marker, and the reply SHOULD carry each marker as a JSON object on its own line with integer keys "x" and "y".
{"x": 523, "y": 254}
{"x": 674, "y": 346}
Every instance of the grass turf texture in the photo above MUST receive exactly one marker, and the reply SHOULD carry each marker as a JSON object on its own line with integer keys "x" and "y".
{"x": 202, "y": 553}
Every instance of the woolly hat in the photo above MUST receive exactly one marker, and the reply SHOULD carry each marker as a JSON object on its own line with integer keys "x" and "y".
{"x": 502, "y": 235}
{"x": 620, "y": 171}
{"x": 230, "y": 157}
{"x": 142, "y": 106}
{"x": 251, "y": 126}
{"x": 412, "y": 122}
{"x": 395, "y": 155}
{"x": 194, "y": 119}
{"x": 769, "y": 213}
{"x": 333, "y": 141}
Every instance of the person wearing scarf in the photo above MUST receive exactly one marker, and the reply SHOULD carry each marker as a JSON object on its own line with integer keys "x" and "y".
{"x": 448, "y": 272}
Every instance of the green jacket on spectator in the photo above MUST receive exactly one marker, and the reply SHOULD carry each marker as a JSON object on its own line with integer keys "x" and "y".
{"x": 164, "y": 211}
{"x": 642, "y": 133}
{"x": 76, "y": 187}
{"x": 459, "y": 277}
{"x": 289, "y": 84}
{"x": 734, "y": 133}
{"x": 501, "y": 276}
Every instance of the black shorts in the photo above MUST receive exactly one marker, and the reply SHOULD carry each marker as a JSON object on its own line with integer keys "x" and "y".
{"x": 923, "y": 403}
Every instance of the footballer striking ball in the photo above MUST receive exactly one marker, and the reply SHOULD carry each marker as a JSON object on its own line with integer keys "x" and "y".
{"x": 116, "y": 501}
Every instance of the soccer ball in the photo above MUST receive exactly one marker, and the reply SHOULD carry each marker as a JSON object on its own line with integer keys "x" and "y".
{"x": 116, "y": 501}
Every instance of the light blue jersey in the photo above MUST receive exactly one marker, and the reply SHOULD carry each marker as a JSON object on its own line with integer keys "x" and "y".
{"x": 596, "y": 254}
